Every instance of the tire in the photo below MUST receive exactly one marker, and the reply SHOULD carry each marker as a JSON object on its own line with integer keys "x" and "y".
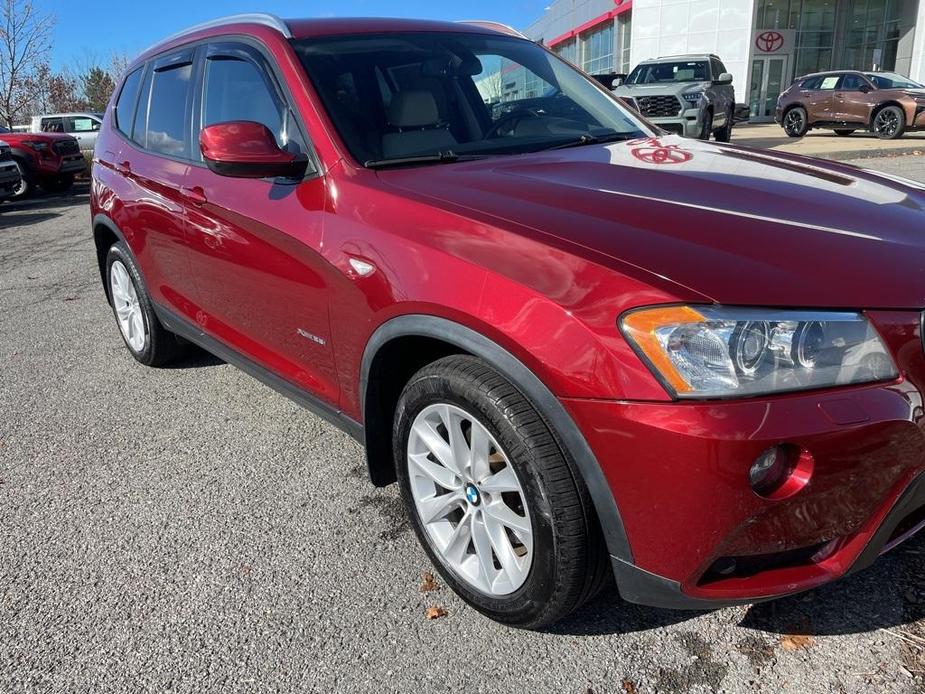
{"x": 842, "y": 132}
{"x": 724, "y": 134}
{"x": 26, "y": 187}
{"x": 562, "y": 563}
{"x": 144, "y": 336}
{"x": 889, "y": 123}
{"x": 707, "y": 128}
{"x": 59, "y": 184}
{"x": 795, "y": 122}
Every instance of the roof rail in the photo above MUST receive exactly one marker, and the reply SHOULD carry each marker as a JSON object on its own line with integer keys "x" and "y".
{"x": 494, "y": 26}
{"x": 266, "y": 19}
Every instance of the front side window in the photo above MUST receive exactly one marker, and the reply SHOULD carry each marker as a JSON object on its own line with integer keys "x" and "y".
{"x": 237, "y": 89}
{"x": 416, "y": 94}
{"x": 892, "y": 80}
{"x": 167, "y": 107}
{"x": 672, "y": 71}
{"x": 85, "y": 125}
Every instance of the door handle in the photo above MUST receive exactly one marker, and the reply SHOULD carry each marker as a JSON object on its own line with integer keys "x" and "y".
{"x": 195, "y": 195}
{"x": 123, "y": 167}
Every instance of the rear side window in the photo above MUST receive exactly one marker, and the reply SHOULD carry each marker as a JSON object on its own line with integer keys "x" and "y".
{"x": 168, "y": 105}
{"x": 125, "y": 104}
{"x": 53, "y": 125}
{"x": 812, "y": 83}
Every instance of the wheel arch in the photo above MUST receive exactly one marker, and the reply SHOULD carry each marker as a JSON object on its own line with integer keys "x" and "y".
{"x": 879, "y": 107}
{"x": 107, "y": 233}
{"x": 448, "y": 337}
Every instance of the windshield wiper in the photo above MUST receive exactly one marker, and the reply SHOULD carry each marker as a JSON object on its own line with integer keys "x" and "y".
{"x": 447, "y": 157}
{"x": 588, "y": 139}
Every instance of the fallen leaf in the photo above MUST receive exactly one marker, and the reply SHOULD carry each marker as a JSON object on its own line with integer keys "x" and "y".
{"x": 434, "y": 613}
{"x": 629, "y": 687}
{"x": 796, "y": 642}
{"x": 427, "y": 582}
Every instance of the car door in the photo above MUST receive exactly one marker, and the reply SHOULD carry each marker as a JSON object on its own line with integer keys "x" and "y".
{"x": 852, "y": 104}
{"x": 818, "y": 97}
{"x": 85, "y": 129}
{"x": 152, "y": 162}
{"x": 255, "y": 243}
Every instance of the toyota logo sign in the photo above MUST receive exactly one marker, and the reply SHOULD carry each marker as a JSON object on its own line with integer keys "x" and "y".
{"x": 769, "y": 41}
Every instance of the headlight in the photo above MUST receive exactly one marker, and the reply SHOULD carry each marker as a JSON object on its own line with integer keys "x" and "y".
{"x": 37, "y": 146}
{"x": 716, "y": 352}
{"x": 693, "y": 98}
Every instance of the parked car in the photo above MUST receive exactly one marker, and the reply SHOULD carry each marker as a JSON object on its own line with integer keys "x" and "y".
{"x": 10, "y": 179}
{"x": 49, "y": 160}
{"x": 83, "y": 126}
{"x": 691, "y": 95}
{"x": 583, "y": 349}
{"x": 885, "y": 103}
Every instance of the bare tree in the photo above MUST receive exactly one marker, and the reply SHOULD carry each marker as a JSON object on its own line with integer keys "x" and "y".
{"x": 25, "y": 41}
{"x": 118, "y": 64}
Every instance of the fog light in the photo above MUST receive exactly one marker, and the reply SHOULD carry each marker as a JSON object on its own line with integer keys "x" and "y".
{"x": 781, "y": 471}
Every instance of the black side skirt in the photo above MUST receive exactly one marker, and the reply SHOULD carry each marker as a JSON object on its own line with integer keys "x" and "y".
{"x": 182, "y": 327}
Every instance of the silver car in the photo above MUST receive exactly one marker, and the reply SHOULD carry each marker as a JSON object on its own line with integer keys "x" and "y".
{"x": 691, "y": 95}
{"x": 84, "y": 126}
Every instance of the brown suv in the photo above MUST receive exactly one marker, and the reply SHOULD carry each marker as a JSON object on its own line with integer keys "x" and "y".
{"x": 885, "y": 103}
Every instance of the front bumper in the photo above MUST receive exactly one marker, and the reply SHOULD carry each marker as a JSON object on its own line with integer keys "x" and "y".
{"x": 687, "y": 123}
{"x": 700, "y": 538}
{"x": 63, "y": 165}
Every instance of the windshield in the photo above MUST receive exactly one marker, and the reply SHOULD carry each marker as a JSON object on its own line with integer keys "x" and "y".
{"x": 672, "y": 71}
{"x": 402, "y": 95}
{"x": 891, "y": 80}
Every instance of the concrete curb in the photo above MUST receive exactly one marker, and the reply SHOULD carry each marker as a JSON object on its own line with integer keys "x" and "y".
{"x": 917, "y": 150}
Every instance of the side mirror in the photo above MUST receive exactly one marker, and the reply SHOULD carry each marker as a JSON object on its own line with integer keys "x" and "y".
{"x": 724, "y": 78}
{"x": 246, "y": 149}
{"x": 864, "y": 89}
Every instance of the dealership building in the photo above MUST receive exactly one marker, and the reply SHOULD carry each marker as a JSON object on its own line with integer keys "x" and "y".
{"x": 765, "y": 44}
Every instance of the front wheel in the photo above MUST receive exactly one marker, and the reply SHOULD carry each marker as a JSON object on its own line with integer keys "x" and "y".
{"x": 796, "y": 122}
{"x": 26, "y": 186}
{"x": 724, "y": 134}
{"x": 491, "y": 497}
{"x": 889, "y": 123}
{"x": 706, "y": 129}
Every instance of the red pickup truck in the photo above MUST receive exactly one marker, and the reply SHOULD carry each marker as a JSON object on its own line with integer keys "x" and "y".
{"x": 49, "y": 160}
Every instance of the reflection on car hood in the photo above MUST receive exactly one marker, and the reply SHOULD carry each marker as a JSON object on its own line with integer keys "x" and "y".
{"x": 735, "y": 225}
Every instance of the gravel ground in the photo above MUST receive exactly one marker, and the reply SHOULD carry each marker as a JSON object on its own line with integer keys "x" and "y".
{"x": 189, "y": 530}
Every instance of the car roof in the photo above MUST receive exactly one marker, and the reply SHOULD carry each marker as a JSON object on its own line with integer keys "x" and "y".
{"x": 688, "y": 56}
{"x": 71, "y": 113}
{"x": 323, "y": 27}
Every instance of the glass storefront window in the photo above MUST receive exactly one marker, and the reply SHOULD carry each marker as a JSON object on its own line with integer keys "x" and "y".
{"x": 625, "y": 26}
{"x": 597, "y": 50}
{"x": 568, "y": 50}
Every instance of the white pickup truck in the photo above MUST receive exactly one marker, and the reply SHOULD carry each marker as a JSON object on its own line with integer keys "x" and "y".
{"x": 83, "y": 126}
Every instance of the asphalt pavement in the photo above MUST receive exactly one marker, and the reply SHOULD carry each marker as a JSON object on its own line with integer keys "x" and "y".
{"x": 190, "y": 530}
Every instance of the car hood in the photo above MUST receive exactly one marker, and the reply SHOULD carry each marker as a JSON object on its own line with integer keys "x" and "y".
{"x": 725, "y": 223}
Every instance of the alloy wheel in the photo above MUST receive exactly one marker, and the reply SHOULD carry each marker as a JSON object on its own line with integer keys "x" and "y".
{"x": 20, "y": 188}
{"x": 127, "y": 307}
{"x": 886, "y": 123}
{"x": 469, "y": 500}
{"x": 794, "y": 122}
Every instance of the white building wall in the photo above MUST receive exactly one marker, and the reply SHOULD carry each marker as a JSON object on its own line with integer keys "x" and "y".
{"x": 672, "y": 27}
{"x": 917, "y": 71}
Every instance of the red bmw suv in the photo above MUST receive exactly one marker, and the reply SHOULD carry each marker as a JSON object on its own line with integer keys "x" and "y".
{"x": 584, "y": 349}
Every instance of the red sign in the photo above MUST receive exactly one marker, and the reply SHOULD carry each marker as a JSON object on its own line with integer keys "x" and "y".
{"x": 769, "y": 41}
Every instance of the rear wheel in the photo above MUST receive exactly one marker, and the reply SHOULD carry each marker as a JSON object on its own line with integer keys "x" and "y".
{"x": 796, "y": 122}
{"x": 26, "y": 186}
{"x": 147, "y": 340}
{"x": 889, "y": 123}
{"x": 843, "y": 132}
{"x": 492, "y": 499}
